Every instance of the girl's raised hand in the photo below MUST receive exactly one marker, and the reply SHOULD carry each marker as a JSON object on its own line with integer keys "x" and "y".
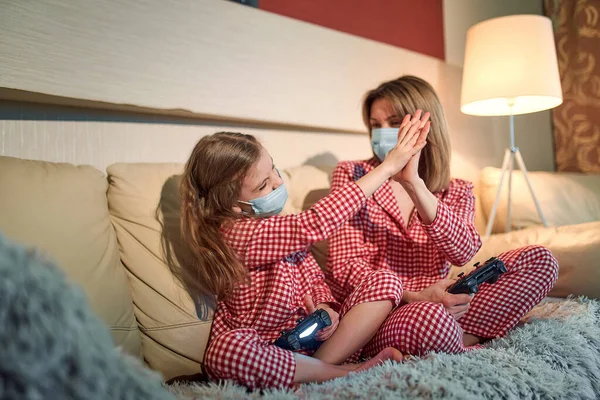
{"x": 412, "y": 137}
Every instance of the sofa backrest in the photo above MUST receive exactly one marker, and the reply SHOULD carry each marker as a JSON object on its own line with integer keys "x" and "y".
{"x": 575, "y": 247}
{"x": 144, "y": 205}
{"x": 565, "y": 198}
{"x": 62, "y": 210}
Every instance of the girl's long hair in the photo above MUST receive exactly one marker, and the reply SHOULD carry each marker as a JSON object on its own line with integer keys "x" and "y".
{"x": 210, "y": 187}
{"x": 407, "y": 94}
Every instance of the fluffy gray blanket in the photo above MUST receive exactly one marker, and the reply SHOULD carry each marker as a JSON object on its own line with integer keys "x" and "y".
{"x": 51, "y": 344}
{"x": 555, "y": 354}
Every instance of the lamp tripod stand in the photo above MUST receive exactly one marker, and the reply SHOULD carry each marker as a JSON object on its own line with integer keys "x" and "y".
{"x": 511, "y": 155}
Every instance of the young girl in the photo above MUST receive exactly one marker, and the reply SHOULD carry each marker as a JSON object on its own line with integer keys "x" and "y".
{"x": 258, "y": 266}
{"x": 418, "y": 224}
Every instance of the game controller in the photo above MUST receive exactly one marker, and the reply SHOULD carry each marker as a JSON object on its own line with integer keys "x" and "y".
{"x": 302, "y": 336}
{"x": 489, "y": 272}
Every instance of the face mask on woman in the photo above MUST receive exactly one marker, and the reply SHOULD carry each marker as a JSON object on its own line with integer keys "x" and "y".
{"x": 383, "y": 140}
{"x": 270, "y": 204}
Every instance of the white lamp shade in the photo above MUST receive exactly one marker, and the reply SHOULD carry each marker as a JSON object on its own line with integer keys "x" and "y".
{"x": 510, "y": 67}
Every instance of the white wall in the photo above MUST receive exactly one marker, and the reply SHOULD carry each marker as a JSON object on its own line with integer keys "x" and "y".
{"x": 220, "y": 60}
{"x": 210, "y": 57}
{"x": 460, "y": 15}
{"x": 101, "y": 138}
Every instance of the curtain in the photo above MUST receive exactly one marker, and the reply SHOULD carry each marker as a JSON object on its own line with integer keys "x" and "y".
{"x": 577, "y": 121}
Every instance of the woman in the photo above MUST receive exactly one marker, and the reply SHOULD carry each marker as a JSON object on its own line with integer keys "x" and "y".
{"x": 419, "y": 223}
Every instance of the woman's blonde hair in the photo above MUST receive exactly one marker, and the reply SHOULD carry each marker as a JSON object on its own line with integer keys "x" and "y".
{"x": 210, "y": 187}
{"x": 407, "y": 94}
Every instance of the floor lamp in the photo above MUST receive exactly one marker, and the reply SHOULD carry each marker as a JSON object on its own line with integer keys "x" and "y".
{"x": 510, "y": 68}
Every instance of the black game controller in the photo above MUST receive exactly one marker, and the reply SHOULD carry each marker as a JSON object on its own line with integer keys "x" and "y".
{"x": 302, "y": 336}
{"x": 489, "y": 272}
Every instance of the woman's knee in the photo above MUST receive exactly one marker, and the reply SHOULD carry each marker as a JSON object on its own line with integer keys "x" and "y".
{"x": 433, "y": 329}
{"x": 541, "y": 258}
{"x": 425, "y": 313}
{"x": 376, "y": 286}
{"x": 384, "y": 281}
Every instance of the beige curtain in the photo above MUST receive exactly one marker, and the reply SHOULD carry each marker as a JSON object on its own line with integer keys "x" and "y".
{"x": 577, "y": 120}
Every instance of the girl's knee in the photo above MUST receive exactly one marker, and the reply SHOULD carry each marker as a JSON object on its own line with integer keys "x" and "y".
{"x": 241, "y": 355}
{"x": 219, "y": 346}
{"x": 228, "y": 346}
{"x": 384, "y": 280}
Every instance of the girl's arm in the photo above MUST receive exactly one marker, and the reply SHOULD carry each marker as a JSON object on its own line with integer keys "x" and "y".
{"x": 350, "y": 257}
{"x": 449, "y": 223}
{"x": 264, "y": 241}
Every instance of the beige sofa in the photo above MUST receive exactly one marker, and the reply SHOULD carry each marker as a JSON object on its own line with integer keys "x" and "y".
{"x": 116, "y": 235}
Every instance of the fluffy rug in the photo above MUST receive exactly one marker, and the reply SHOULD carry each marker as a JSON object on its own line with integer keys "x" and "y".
{"x": 51, "y": 344}
{"x": 554, "y": 354}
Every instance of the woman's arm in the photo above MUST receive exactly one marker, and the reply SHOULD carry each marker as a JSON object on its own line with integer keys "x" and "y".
{"x": 452, "y": 229}
{"x": 449, "y": 223}
{"x": 425, "y": 202}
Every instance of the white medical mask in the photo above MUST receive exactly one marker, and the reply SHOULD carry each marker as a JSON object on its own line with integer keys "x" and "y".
{"x": 270, "y": 204}
{"x": 383, "y": 140}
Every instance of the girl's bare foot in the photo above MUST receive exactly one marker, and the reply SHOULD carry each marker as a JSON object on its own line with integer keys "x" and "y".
{"x": 389, "y": 353}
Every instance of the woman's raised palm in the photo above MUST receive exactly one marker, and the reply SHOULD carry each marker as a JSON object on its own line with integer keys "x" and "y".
{"x": 410, "y": 172}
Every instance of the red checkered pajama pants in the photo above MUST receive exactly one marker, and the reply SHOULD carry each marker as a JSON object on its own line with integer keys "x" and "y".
{"x": 244, "y": 356}
{"x": 420, "y": 328}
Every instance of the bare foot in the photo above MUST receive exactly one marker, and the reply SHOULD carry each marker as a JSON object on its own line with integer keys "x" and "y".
{"x": 409, "y": 357}
{"x": 389, "y": 353}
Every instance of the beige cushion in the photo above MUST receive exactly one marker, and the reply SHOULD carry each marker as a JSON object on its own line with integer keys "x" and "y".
{"x": 576, "y": 248}
{"x": 565, "y": 198}
{"x": 480, "y": 220}
{"x": 143, "y": 197}
{"x": 306, "y": 184}
{"x": 62, "y": 209}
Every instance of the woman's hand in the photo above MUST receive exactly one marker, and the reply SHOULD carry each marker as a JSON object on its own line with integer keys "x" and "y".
{"x": 326, "y": 332}
{"x": 456, "y": 304}
{"x": 412, "y": 137}
{"x": 410, "y": 173}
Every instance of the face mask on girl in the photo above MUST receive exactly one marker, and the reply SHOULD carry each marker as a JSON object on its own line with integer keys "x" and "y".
{"x": 270, "y": 204}
{"x": 383, "y": 140}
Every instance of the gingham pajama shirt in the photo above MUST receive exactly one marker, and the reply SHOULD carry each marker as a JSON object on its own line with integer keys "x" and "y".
{"x": 281, "y": 273}
{"x": 375, "y": 238}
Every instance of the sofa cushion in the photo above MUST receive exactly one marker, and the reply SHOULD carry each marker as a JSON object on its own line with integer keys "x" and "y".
{"x": 576, "y": 248}
{"x": 306, "y": 184}
{"x": 62, "y": 210}
{"x": 565, "y": 198}
{"x": 144, "y": 205}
